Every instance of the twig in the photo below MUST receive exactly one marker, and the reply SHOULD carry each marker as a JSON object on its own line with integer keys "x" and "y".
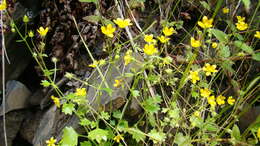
{"x": 3, "y": 77}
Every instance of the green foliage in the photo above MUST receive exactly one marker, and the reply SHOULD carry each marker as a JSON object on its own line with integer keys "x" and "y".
{"x": 68, "y": 108}
{"x": 151, "y": 105}
{"x": 70, "y": 137}
{"x": 182, "y": 140}
{"x": 244, "y": 47}
{"x": 98, "y": 134}
{"x": 220, "y": 35}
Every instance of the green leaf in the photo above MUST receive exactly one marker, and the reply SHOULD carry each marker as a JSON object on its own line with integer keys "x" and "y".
{"x": 156, "y": 136}
{"x": 211, "y": 127}
{"x": 86, "y": 143}
{"x": 135, "y": 93}
{"x": 19, "y": 41}
{"x": 256, "y": 56}
{"x": 220, "y": 35}
{"x": 68, "y": 108}
{"x": 182, "y": 140}
{"x": 70, "y": 96}
{"x": 244, "y": 47}
{"x": 128, "y": 75}
{"x": 98, "y": 135}
{"x": 152, "y": 104}
{"x": 137, "y": 134}
{"x": 45, "y": 83}
{"x": 122, "y": 124}
{"x": 84, "y": 122}
{"x": 247, "y": 4}
{"x": 205, "y": 5}
{"x": 92, "y": 18}
{"x": 70, "y": 137}
{"x": 224, "y": 51}
{"x": 105, "y": 115}
{"x": 89, "y": 1}
{"x": 236, "y": 133}
{"x": 117, "y": 114}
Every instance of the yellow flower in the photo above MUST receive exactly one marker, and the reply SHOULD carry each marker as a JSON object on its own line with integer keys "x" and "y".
{"x": 258, "y": 133}
{"x": 195, "y": 43}
{"x": 211, "y": 101}
{"x": 225, "y": 10}
{"x": 194, "y": 76}
{"x": 128, "y": 57}
{"x": 205, "y": 23}
{"x": 149, "y": 38}
{"x": 56, "y": 101}
{"x": 94, "y": 64}
{"x": 209, "y": 69}
{"x": 241, "y": 19}
{"x": 214, "y": 45}
{"x": 117, "y": 83}
{"x": 196, "y": 114}
{"x": 241, "y": 25}
{"x": 118, "y": 138}
{"x": 3, "y": 5}
{"x": 163, "y": 39}
{"x": 122, "y": 23}
{"x": 221, "y": 100}
{"x": 31, "y": 34}
{"x": 25, "y": 19}
{"x": 231, "y": 100}
{"x": 257, "y": 34}
{"x": 51, "y": 142}
{"x": 108, "y": 30}
{"x": 43, "y": 31}
{"x": 81, "y": 92}
{"x": 168, "y": 31}
{"x": 149, "y": 49}
{"x": 205, "y": 92}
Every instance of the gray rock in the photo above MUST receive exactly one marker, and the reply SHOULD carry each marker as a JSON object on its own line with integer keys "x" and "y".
{"x": 17, "y": 97}
{"x": 13, "y": 123}
{"x": 52, "y": 124}
{"x": 30, "y": 124}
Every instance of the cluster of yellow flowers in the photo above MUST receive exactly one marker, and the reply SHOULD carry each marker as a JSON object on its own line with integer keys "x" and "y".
{"x": 208, "y": 69}
{"x": 81, "y": 92}
{"x": 149, "y": 48}
{"x": 205, "y": 23}
{"x": 220, "y": 100}
{"x": 109, "y": 30}
{"x": 241, "y": 24}
{"x": 56, "y": 101}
